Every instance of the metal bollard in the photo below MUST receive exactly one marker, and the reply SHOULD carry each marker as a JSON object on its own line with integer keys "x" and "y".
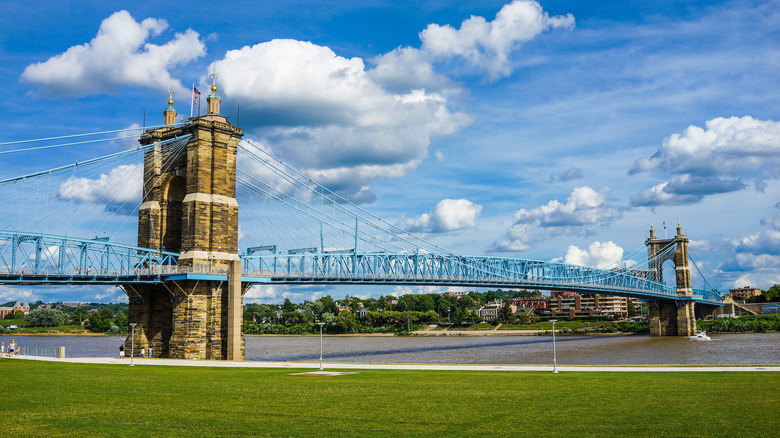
{"x": 61, "y": 352}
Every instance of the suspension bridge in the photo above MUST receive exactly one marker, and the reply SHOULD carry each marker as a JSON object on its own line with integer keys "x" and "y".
{"x": 162, "y": 218}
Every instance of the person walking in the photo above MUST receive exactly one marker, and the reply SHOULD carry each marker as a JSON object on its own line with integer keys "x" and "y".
{"x": 150, "y": 352}
{"x": 2, "y": 348}
{"x": 11, "y": 347}
{"x": 122, "y": 351}
{"x": 143, "y": 352}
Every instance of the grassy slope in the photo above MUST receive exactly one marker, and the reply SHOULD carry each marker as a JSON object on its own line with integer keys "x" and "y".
{"x": 55, "y": 399}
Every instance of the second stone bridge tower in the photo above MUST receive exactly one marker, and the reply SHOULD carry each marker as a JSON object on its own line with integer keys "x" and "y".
{"x": 189, "y": 207}
{"x": 671, "y": 317}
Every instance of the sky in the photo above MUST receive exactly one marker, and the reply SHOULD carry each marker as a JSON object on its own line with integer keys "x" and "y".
{"x": 551, "y": 130}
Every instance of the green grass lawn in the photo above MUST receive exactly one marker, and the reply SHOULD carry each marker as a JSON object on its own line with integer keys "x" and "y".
{"x": 56, "y": 399}
{"x": 7, "y": 322}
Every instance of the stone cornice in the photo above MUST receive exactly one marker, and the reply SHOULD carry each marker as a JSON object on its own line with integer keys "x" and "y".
{"x": 213, "y": 199}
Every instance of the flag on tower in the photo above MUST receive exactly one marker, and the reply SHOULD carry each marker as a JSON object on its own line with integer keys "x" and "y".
{"x": 195, "y": 96}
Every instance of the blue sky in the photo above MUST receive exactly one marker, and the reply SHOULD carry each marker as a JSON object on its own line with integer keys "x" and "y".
{"x": 550, "y": 130}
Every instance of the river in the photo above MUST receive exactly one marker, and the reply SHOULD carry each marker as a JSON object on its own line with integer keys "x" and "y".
{"x": 752, "y": 348}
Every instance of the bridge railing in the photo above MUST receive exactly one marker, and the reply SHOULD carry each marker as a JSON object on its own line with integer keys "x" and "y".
{"x": 708, "y": 296}
{"x": 428, "y": 268}
{"x": 27, "y": 255}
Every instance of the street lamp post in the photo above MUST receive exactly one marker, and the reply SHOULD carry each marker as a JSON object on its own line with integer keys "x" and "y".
{"x": 132, "y": 341}
{"x": 321, "y": 324}
{"x": 555, "y": 359}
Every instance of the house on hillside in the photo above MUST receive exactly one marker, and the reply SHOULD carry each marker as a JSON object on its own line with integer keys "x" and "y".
{"x": 18, "y": 306}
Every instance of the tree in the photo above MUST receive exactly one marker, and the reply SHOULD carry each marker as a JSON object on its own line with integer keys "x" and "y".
{"x": 19, "y": 315}
{"x": 80, "y": 315}
{"x": 328, "y": 318}
{"x": 328, "y": 304}
{"x": 466, "y": 301}
{"x": 45, "y": 318}
{"x": 506, "y": 312}
{"x": 632, "y": 309}
{"x": 288, "y": 306}
{"x": 773, "y": 293}
{"x": 346, "y": 321}
{"x": 354, "y": 303}
{"x": 293, "y": 317}
{"x": 101, "y": 321}
{"x": 121, "y": 320}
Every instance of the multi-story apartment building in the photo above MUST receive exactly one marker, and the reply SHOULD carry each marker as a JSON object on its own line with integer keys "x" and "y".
{"x": 574, "y": 304}
{"x": 744, "y": 293}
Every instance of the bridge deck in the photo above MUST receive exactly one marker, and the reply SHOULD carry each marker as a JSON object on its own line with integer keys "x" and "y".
{"x": 44, "y": 259}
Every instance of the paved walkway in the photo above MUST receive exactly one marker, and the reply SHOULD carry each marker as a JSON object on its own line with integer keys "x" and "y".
{"x": 372, "y": 366}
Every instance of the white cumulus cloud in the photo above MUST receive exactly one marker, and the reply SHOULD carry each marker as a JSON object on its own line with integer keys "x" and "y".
{"x": 118, "y": 56}
{"x": 486, "y": 45}
{"x": 754, "y": 257}
{"x": 325, "y": 114}
{"x": 715, "y": 159}
{"x": 122, "y": 184}
{"x": 448, "y": 215}
{"x": 583, "y": 208}
{"x": 482, "y": 46}
{"x": 597, "y": 255}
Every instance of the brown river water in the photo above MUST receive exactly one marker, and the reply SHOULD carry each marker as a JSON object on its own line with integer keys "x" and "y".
{"x": 753, "y": 348}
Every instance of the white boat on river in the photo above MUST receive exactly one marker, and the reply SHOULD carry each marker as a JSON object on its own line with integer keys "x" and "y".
{"x": 700, "y": 336}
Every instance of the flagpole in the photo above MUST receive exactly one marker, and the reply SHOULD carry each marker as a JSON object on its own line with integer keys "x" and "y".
{"x": 193, "y": 93}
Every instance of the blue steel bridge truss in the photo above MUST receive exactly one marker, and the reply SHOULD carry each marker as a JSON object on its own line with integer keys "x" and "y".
{"x": 28, "y": 258}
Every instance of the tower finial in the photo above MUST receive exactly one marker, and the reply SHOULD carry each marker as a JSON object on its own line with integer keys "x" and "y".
{"x": 169, "y": 114}
{"x": 212, "y": 102}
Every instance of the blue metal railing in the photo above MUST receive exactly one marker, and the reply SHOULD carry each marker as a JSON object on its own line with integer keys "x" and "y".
{"x": 29, "y": 258}
{"x": 44, "y": 258}
{"x": 449, "y": 270}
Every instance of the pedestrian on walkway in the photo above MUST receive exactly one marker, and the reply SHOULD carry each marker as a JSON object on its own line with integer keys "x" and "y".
{"x": 11, "y": 347}
{"x": 2, "y": 348}
{"x": 143, "y": 352}
{"x": 150, "y": 352}
{"x": 122, "y": 351}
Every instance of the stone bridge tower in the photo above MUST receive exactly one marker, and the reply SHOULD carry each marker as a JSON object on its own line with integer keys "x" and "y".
{"x": 671, "y": 317}
{"x": 189, "y": 207}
